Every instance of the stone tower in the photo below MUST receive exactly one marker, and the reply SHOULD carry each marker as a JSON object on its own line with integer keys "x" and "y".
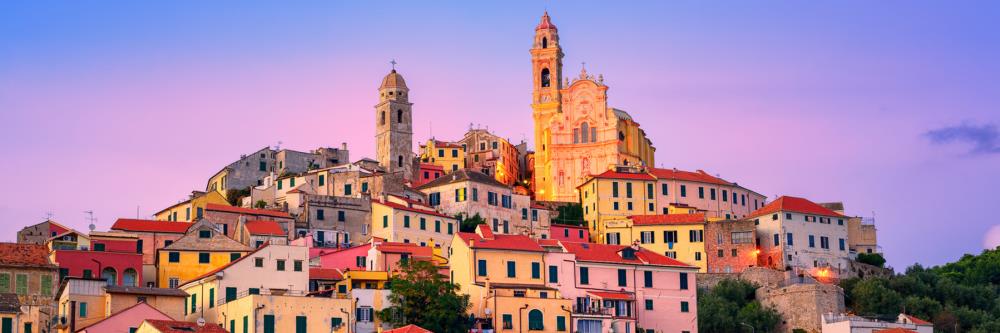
{"x": 394, "y": 126}
{"x": 546, "y": 63}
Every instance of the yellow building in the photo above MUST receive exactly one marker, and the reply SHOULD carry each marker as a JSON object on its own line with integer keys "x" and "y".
{"x": 361, "y": 280}
{"x": 397, "y": 219}
{"x": 449, "y": 156}
{"x": 204, "y": 248}
{"x": 193, "y": 208}
{"x": 614, "y": 196}
{"x": 282, "y": 313}
{"x": 505, "y": 280}
{"x": 678, "y": 236}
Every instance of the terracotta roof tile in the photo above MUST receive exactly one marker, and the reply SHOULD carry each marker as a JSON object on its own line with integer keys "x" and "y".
{"x": 247, "y": 211}
{"x": 409, "y": 248}
{"x": 667, "y": 219}
{"x": 170, "y": 326}
{"x": 394, "y": 205}
{"x": 409, "y": 329}
{"x": 150, "y": 226}
{"x": 612, "y": 295}
{"x": 317, "y": 273}
{"x": 501, "y": 242}
{"x": 264, "y": 227}
{"x": 917, "y": 321}
{"x": 795, "y": 205}
{"x": 611, "y": 174}
{"x": 24, "y": 255}
{"x": 696, "y": 176}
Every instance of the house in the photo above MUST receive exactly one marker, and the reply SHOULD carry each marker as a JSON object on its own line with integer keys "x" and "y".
{"x": 621, "y": 288}
{"x": 335, "y": 221}
{"x": 173, "y": 326}
{"x": 447, "y": 156}
{"x": 41, "y": 232}
{"x": 324, "y": 279}
{"x": 426, "y": 172}
{"x": 202, "y": 249}
{"x": 113, "y": 256}
{"x": 569, "y": 233}
{"x": 843, "y": 323}
{"x": 126, "y": 320}
{"x": 251, "y": 169}
{"x": 389, "y": 256}
{"x": 730, "y": 245}
{"x": 29, "y": 278}
{"x": 506, "y": 284}
{"x": 398, "y": 219}
{"x": 10, "y": 313}
{"x": 256, "y": 233}
{"x": 83, "y": 302}
{"x": 153, "y": 235}
{"x": 493, "y": 155}
{"x": 862, "y": 236}
{"x": 409, "y": 329}
{"x": 626, "y": 191}
{"x": 191, "y": 209}
{"x": 678, "y": 236}
{"x": 468, "y": 193}
{"x": 268, "y": 270}
{"x": 228, "y": 217}
{"x": 799, "y": 235}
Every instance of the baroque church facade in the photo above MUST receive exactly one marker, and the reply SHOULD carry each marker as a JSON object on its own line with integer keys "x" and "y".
{"x": 576, "y": 134}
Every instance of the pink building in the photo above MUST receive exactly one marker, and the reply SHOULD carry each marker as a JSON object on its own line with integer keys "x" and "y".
{"x": 618, "y": 288}
{"x": 112, "y": 256}
{"x": 352, "y": 258}
{"x": 425, "y": 173}
{"x": 127, "y": 320}
{"x": 569, "y": 233}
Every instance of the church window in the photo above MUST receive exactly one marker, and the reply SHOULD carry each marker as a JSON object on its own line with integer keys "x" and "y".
{"x": 621, "y": 136}
{"x": 545, "y": 42}
{"x": 593, "y": 134}
{"x": 576, "y": 135}
{"x": 399, "y": 116}
{"x": 585, "y": 131}
{"x": 399, "y": 161}
{"x": 545, "y": 77}
{"x": 382, "y": 119}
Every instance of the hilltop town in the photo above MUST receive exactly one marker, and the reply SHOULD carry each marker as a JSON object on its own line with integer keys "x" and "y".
{"x": 582, "y": 234}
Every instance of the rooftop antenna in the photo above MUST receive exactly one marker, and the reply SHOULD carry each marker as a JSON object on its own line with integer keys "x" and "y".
{"x": 48, "y": 216}
{"x": 278, "y": 146}
{"x": 91, "y": 219}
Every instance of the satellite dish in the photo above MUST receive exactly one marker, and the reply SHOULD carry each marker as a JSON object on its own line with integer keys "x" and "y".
{"x": 92, "y": 227}
{"x": 201, "y": 322}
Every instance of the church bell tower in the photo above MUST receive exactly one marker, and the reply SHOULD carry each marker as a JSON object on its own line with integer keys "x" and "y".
{"x": 546, "y": 64}
{"x": 394, "y": 126}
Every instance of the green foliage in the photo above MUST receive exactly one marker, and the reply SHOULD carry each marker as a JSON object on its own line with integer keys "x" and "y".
{"x": 874, "y": 259}
{"x": 570, "y": 214}
{"x": 469, "y": 224}
{"x": 730, "y": 305}
{"x": 260, "y": 204}
{"x": 234, "y": 197}
{"x": 424, "y": 297}
{"x": 963, "y": 296}
{"x": 799, "y": 330}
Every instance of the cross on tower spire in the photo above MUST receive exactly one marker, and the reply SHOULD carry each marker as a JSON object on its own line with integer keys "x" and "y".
{"x": 393, "y": 62}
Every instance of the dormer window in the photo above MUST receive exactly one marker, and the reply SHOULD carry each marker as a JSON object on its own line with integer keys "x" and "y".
{"x": 628, "y": 253}
{"x": 204, "y": 233}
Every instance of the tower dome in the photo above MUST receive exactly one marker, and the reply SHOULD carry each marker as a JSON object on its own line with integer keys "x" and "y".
{"x": 393, "y": 80}
{"x": 546, "y": 22}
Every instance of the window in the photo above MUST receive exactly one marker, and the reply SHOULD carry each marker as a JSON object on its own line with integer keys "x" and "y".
{"x": 194, "y": 302}
{"x": 670, "y": 236}
{"x": 584, "y": 132}
{"x": 684, "y": 280}
{"x": 320, "y": 214}
{"x": 385, "y": 221}
{"x": 335, "y": 322}
{"x": 536, "y": 270}
{"x": 508, "y": 322}
{"x": 437, "y": 226}
{"x": 788, "y": 216}
{"x": 511, "y": 269}
{"x": 233, "y": 256}
{"x": 701, "y": 192}
{"x": 211, "y": 298}
{"x": 649, "y": 304}
{"x": 696, "y": 236}
{"x": 622, "y": 278}
{"x": 789, "y": 239}
{"x": 560, "y": 323}
{"x": 21, "y": 286}
{"x": 347, "y": 189}
{"x": 258, "y": 262}
{"x": 776, "y": 243}
{"x": 628, "y": 190}
{"x": 297, "y": 265}
{"x": 99, "y": 247}
{"x": 649, "y": 191}
{"x": 647, "y": 278}
{"x": 742, "y": 237}
{"x": 406, "y": 221}
{"x": 423, "y": 223}
{"x": 613, "y": 238}
{"x": 812, "y": 241}
{"x": 482, "y": 267}
{"x": 711, "y": 194}
{"x": 824, "y": 242}
{"x": 281, "y": 264}
{"x": 546, "y": 78}
{"x": 399, "y": 116}
{"x": 46, "y": 289}
{"x": 173, "y": 282}
{"x": 647, "y": 237}
{"x": 204, "y": 234}
{"x": 450, "y": 228}
{"x": 670, "y": 254}
{"x": 365, "y": 314}
{"x": 614, "y": 189}
{"x": 535, "y": 320}
{"x": 684, "y": 306}
{"x": 584, "y": 275}
{"x": 83, "y": 309}
{"x": 230, "y": 294}
{"x": 842, "y": 245}
{"x": 684, "y": 192}
{"x": 204, "y": 258}
{"x": 268, "y": 323}
{"x": 664, "y": 189}
{"x": 553, "y": 274}
{"x": 697, "y": 256}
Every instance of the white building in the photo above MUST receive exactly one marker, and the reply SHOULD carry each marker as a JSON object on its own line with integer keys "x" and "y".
{"x": 798, "y": 234}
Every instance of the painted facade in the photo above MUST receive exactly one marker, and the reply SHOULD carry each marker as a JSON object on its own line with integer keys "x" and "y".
{"x": 191, "y": 209}
{"x": 802, "y": 236}
{"x": 127, "y": 320}
{"x": 153, "y": 235}
{"x": 397, "y": 219}
{"x": 677, "y": 236}
{"x": 449, "y": 156}
{"x": 469, "y": 193}
{"x": 40, "y": 233}
{"x": 576, "y": 134}
{"x": 569, "y": 233}
{"x": 730, "y": 245}
{"x": 228, "y": 218}
{"x": 29, "y": 277}
{"x": 204, "y": 248}
{"x": 493, "y": 155}
{"x": 113, "y": 256}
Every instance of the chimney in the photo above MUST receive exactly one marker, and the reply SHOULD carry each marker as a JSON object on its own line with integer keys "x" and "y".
{"x": 343, "y": 146}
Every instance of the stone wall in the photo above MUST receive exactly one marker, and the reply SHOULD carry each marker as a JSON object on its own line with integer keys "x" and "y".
{"x": 862, "y": 270}
{"x": 760, "y": 276}
{"x": 802, "y": 305}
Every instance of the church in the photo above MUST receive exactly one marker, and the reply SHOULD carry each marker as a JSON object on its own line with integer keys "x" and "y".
{"x": 576, "y": 134}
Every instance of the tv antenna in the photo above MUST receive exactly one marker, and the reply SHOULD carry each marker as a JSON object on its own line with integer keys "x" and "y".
{"x": 48, "y": 216}
{"x": 278, "y": 146}
{"x": 91, "y": 219}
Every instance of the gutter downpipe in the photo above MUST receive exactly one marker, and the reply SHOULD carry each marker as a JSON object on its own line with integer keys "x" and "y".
{"x": 519, "y": 323}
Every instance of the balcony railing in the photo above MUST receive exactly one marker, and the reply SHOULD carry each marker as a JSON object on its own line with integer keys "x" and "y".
{"x": 593, "y": 311}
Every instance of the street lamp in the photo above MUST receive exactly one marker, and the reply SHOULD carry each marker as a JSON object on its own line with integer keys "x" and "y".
{"x": 751, "y": 327}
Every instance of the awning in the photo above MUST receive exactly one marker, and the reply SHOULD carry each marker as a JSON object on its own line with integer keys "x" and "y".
{"x": 612, "y": 295}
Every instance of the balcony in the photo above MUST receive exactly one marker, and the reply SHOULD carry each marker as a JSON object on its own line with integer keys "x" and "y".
{"x": 593, "y": 311}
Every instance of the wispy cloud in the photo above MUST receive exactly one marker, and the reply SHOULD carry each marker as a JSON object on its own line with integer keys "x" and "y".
{"x": 985, "y": 139}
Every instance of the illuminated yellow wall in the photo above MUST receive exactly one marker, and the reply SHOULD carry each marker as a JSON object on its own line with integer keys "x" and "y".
{"x": 432, "y": 154}
{"x": 692, "y": 253}
{"x": 188, "y": 266}
{"x": 188, "y": 211}
{"x": 598, "y": 200}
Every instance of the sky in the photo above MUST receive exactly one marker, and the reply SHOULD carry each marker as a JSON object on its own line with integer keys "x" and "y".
{"x": 123, "y": 108}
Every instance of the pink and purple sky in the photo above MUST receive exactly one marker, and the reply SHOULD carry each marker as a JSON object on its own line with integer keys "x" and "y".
{"x": 889, "y": 106}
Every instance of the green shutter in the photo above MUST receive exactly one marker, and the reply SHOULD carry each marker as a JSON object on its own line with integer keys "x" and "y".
{"x": 269, "y": 319}
{"x": 230, "y": 294}
{"x": 482, "y": 267}
{"x": 511, "y": 269}
{"x": 83, "y": 309}
{"x": 300, "y": 324}
{"x": 536, "y": 270}
{"x": 535, "y": 320}
{"x": 7, "y": 326}
{"x": 560, "y": 323}
{"x": 246, "y": 324}
{"x": 5, "y": 282}
{"x": 22, "y": 284}
{"x": 194, "y": 303}
{"x": 211, "y": 298}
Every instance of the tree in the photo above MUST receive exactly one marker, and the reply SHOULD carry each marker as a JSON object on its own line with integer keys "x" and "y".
{"x": 571, "y": 214}
{"x": 424, "y": 297}
{"x": 873, "y": 298}
{"x": 260, "y": 204}
{"x": 873, "y": 259}
{"x": 731, "y": 304}
{"x": 469, "y": 224}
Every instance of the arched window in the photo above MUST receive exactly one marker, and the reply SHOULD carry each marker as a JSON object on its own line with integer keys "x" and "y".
{"x": 399, "y": 116}
{"x": 535, "y": 322}
{"x": 545, "y": 77}
{"x": 621, "y": 135}
{"x": 109, "y": 275}
{"x": 584, "y": 132}
{"x": 545, "y": 42}
{"x": 382, "y": 118}
{"x": 593, "y": 134}
{"x": 129, "y": 277}
{"x": 399, "y": 161}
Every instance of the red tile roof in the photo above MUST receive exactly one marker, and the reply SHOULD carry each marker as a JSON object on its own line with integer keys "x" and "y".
{"x": 697, "y": 176}
{"x": 667, "y": 219}
{"x": 612, "y": 295}
{"x": 501, "y": 242}
{"x": 171, "y": 326}
{"x": 795, "y": 205}
{"x": 151, "y": 226}
{"x": 408, "y": 329}
{"x": 409, "y": 248}
{"x": 247, "y": 211}
{"x": 265, "y": 227}
{"x": 24, "y": 255}
{"x": 611, "y": 254}
{"x": 611, "y": 174}
{"x": 394, "y": 205}
{"x": 916, "y": 320}
{"x": 325, "y": 274}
